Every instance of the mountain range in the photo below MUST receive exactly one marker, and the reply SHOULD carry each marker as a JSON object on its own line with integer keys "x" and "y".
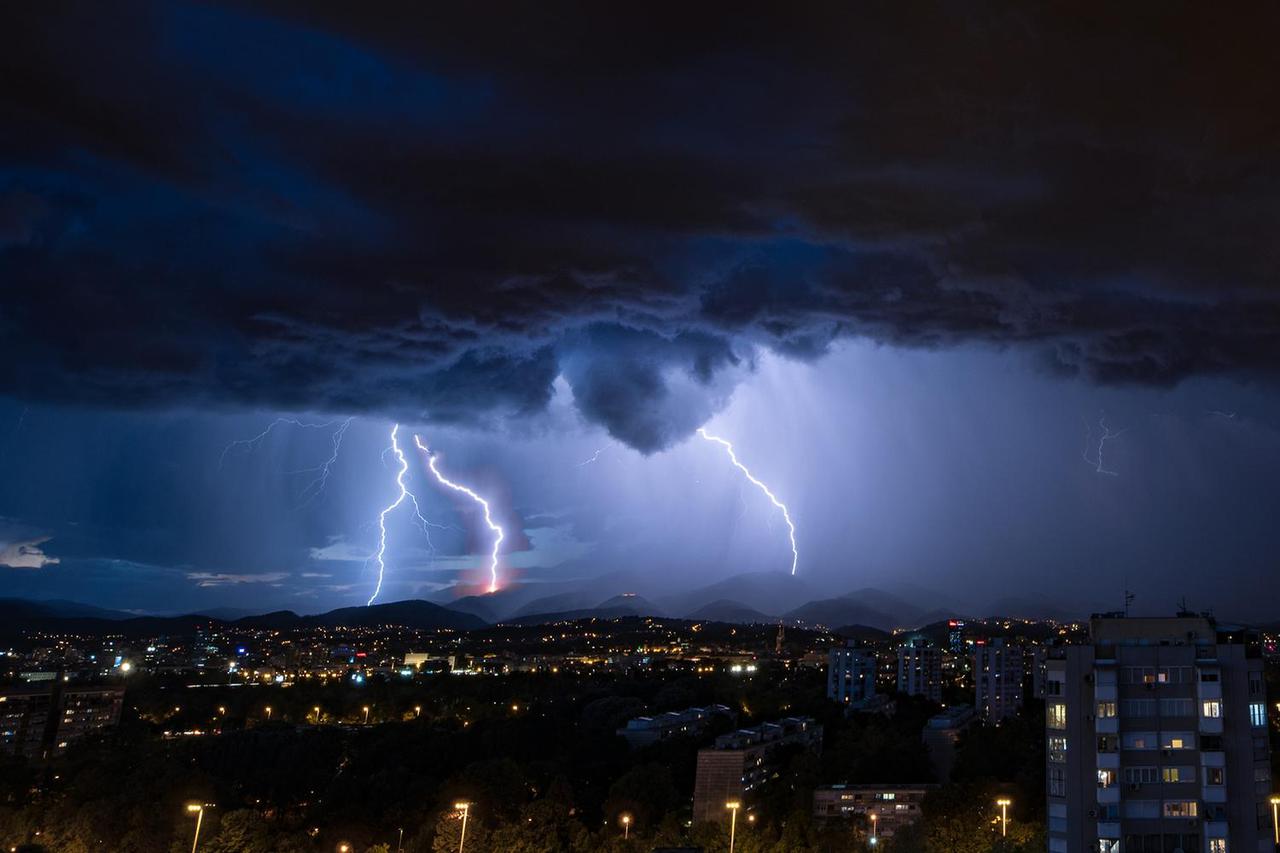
{"x": 744, "y": 598}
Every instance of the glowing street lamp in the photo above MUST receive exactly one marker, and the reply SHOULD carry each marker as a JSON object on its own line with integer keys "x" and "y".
{"x": 1275, "y": 818}
{"x": 465, "y": 808}
{"x": 732, "y": 806}
{"x": 344, "y": 847}
{"x": 197, "y": 810}
{"x": 366, "y": 715}
{"x": 316, "y": 711}
{"x": 1004, "y": 804}
{"x": 400, "y": 842}
{"x": 626, "y": 826}
{"x": 417, "y": 711}
{"x": 268, "y": 712}
{"x": 874, "y": 837}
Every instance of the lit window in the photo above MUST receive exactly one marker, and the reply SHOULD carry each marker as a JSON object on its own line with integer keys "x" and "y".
{"x": 1106, "y": 778}
{"x": 1179, "y": 774}
{"x": 1106, "y": 709}
{"x": 1180, "y": 808}
{"x": 1217, "y": 845}
{"x": 1108, "y": 845}
{"x": 1057, "y": 748}
{"x": 1258, "y": 714}
{"x": 1056, "y": 716}
{"x": 1213, "y": 776}
{"x": 1211, "y": 708}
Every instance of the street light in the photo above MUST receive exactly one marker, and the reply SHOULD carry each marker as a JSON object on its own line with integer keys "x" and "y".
{"x": 400, "y": 843}
{"x": 463, "y": 807}
{"x": 268, "y": 712}
{"x": 316, "y": 711}
{"x": 366, "y": 715}
{"x": 344, "y": 847}
{"x": 1004, "y": 804}
{"x": 626, "y": 826}
{"x": 1275, "y": 818}
{"x": 732, "y": 806}
{"x": 417, "y": 711}
{"x": 197, "y": 810}
{"x": 874, "y": 839}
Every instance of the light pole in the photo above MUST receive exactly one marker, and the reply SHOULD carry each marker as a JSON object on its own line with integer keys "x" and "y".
{"x": 732, "y": 806}
{"x": 1275, "y": 818}
{"x": 366, "y": 715}
{"x": 417, "y": 711}
{"x": 1004, "y": 804}
{"x": 316, "y": 711}
{"x": 268, "y": 712}
{"x": 400, "y": 843}
{"x": 197, "y": 810}
{"x": 874, "y": 838}
{"x": 464, "y": 808}
{"x": 626, "y": 826}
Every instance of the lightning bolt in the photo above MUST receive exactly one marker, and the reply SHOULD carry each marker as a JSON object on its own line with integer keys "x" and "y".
{"x": 313, "y": 489}
{"x": 379, "y": 556}
{"x": 791, "y": 528}
{"x": 593, "y": 458}
{"x": 1105, "y": 434}
{"x": 484, "y": 504}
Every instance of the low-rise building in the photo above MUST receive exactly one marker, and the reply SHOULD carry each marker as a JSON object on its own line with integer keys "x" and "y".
{"x": 691, "y": 722}
{"x": 742, "y": 760}
{"x": 883, "y": 808}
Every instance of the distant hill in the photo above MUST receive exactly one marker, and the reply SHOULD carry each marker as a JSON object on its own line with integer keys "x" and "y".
{"x": 17, "y": 615}
{"x": 727, "y": 610}
{"x": 56, "y": 607}
{"x": 845, "y": 610}
{"x": 862, "y": 632}
{"x": 767, "y": 592}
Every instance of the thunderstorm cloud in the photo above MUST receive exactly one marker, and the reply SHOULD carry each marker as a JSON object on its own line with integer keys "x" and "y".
{"x": 426, "y": 213}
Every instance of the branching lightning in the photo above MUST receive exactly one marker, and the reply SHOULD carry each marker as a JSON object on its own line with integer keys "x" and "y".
{"x": 316, "y": 486}
{"x": 313, "y": 489}
{"x": 380, "y": 555}
{"x": 484, "y": 504}
{"x": 1105, "y": 434}
{"x": 791, "y": 528}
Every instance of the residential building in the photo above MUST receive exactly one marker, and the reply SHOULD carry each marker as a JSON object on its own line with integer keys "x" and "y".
{"x": 920, "y": 671}
{"x": 998, "y": 669}
{"x": 1157, "y": 739}
{"x": 38, "y": 722}
{"x": 893, "y": 806}
{"x": 740, "y": 761}
{"x": 851, "y": 675}
{"x": 941, "y": 734}
{"x": 691, "y": 722}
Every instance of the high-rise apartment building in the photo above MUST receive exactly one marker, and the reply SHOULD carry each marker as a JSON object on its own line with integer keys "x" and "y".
{"x": 920, "y": 671}
{"x": 1157, "y": 739}
{"x": 998, "y": 669}
{"x": 851, "y": 675}
{"x": 740, "y": 761}
{"x": 39, "y": 722}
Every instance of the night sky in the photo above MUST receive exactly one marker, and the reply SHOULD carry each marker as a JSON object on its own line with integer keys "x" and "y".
{"x": 909, "y": 262}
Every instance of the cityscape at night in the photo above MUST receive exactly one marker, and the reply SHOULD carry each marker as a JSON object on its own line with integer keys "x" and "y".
{"x": 574, "y": 427}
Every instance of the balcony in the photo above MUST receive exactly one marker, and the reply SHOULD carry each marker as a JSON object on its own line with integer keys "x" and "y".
{"x": 1108, "y": 795}
{"x": 1210, "y": 725}
{"x": 1107, "y": 725}
{"x": 1109, "y": 829}
{"x": 1216, "y": 829}
{"x": 1108, "y": 761}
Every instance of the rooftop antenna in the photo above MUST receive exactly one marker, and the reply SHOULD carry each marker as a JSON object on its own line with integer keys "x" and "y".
{"x": 1128, "y": 597}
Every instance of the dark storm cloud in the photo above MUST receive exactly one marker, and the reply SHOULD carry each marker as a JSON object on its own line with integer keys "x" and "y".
{"x": 434, "y": 211}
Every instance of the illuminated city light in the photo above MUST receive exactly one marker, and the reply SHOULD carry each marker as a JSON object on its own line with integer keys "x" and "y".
{"x": 791, "y": 528}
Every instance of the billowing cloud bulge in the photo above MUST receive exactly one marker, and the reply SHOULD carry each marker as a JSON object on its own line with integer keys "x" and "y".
{"x": 428, "y": 212}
